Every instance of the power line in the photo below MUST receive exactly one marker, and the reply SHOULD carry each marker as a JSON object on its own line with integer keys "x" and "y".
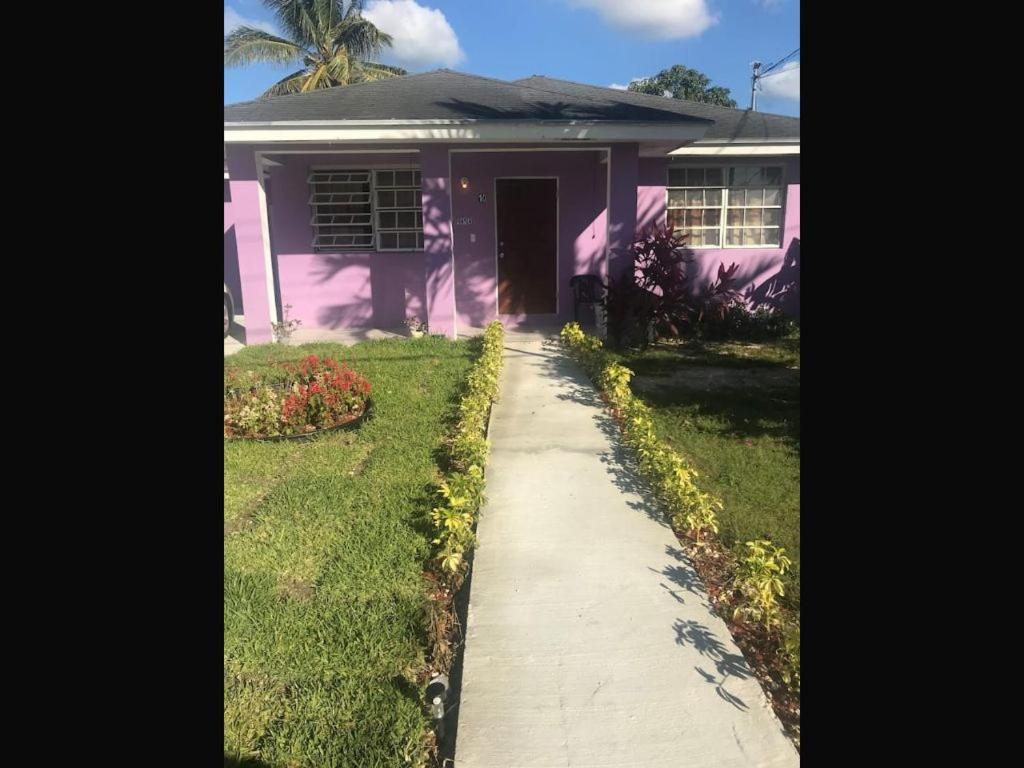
{"x": 758, "y": 73}
{"x": 773, "y": 66}
{"x": 773, "y": 74}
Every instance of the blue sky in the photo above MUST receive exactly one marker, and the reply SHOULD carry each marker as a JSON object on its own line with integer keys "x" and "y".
{"x": 602, "y": 42}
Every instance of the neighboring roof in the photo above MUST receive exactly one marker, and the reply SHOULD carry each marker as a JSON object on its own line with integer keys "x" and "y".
{"x": 447, "y": 95}
{"x": 730, "y": 124}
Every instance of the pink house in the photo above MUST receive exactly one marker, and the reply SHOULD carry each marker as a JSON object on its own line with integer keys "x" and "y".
{"x": 461, "y": 199}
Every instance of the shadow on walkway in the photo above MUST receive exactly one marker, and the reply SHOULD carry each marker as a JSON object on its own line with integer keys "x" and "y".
{"x": 622, "y": 466}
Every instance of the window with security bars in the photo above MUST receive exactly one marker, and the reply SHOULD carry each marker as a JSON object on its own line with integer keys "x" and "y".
{"x": 366, "y": 210}
{"x": 731, "y": 207}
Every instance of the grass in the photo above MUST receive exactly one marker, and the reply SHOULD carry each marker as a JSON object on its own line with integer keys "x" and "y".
{"x": 325, "y": 606}
{"x": 733, "y": 408}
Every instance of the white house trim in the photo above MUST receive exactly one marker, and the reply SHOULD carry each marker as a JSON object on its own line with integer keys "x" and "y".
{"x": 268, "y": 262}
{"x": 448, "y": 131}
{"x": 703, "y": 149}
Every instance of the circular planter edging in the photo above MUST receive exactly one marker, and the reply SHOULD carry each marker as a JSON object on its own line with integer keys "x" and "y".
{"x": 366, "y": 412}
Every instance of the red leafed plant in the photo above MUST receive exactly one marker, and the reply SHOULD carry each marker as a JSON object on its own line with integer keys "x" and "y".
{"x": 315, "y": 393}
{"x": 653, "y": 297}
{"x": 721, "y": 295}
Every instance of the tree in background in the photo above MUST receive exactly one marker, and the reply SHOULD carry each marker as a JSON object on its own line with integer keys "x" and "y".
{"x": 335, "y": 45}
{"x": 684, "y": 83}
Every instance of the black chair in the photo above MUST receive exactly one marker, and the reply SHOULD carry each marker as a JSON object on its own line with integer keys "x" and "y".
{"x": 586, "y": 289}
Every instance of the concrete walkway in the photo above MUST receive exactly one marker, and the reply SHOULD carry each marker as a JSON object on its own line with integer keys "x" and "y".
{"x": 589, "y": 640}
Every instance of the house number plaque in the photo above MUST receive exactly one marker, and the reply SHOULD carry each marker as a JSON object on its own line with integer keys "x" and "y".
{"x": 464, "y": 220}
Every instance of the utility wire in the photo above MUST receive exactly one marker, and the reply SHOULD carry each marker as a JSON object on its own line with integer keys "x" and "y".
{"x": 759, "y": 73}
{"x": 777, "y": 63}
{"x": 773, "y": 74}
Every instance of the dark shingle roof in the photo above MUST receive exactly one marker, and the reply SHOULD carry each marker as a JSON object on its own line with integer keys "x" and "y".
{"x": 444, "y": 94}
{"x": 729, "y": 123}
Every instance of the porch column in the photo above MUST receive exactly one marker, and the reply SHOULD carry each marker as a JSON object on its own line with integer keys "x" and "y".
{"x": 437, "y": 240}
{"x": 248, "y": 209}
{"x": 624, "y": 171}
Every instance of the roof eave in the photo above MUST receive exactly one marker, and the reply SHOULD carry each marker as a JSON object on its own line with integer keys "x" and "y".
{"x": 269, "y": 132}
{"x": 727, "y": 147}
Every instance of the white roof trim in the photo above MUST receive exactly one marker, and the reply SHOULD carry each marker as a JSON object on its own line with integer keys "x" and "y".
{"x": 706, "y": 149}
{"x": 458, "y": 130}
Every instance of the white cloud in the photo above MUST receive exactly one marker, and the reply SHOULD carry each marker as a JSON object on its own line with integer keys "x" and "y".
{"x": 620, "y": 87}
{"x": 659, "y": 19}
{"x": 784, "y": 83}
{"x": 233, "y": 19}
{"x": 422, "y": 36}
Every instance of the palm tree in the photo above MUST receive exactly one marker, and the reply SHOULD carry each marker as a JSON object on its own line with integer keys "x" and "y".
{"x": 333, "y": 43}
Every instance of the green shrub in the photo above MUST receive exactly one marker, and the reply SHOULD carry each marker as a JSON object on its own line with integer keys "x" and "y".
{"x": 759, "y": 582}
{"x": 739, "y": 323}
{"x": 790, "y": 653}
{"x": 461, "y": 492}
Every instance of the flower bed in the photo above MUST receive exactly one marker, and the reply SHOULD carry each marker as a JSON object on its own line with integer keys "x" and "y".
{"x": 293, "y": 399}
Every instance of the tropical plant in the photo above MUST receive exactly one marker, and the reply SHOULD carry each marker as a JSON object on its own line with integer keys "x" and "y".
{"x": 283, "y": 330}
{"x": 759, "y": 582}
{"x": 461, "y": 491}
{"x": 652, "y": 299}
{"x": 415, "y": 325}
{"x": 740, "y": 323}
{"x": 681, "y": 82}
{"x": 790, "y": 654}
{"x": 295, "y": 399}
{"x": 721, "y": 295}
{"x": 334, "y": 43}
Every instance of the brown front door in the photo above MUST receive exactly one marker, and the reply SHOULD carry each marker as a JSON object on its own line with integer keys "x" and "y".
{"x": 527, "y": 245}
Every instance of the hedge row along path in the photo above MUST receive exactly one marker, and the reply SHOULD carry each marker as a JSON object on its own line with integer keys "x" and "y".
{"x": 589, "y": 640}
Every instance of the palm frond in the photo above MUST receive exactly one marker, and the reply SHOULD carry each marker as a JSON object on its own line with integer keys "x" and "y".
{"x": 362, "y": 39}
{"x": 370, "y": 71}
{"x": 355, "y": 8}
{"x": 339, "y": 67}
{"x": 317, "y": 79}
{"x": 289, "y": 84}
{"x": 297, "y": 18}
{"x": 247, "y": 45}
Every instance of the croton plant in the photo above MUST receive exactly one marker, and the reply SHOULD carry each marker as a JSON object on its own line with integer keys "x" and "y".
{"x": 292, "y": 398}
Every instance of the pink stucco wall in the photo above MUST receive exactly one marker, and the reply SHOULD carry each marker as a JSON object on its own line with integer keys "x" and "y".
{"x": 581, "y": 225}
{"x": 249, "y": 242}
{"x": 766, "y": 275}
{"x": 337, "y": 290}
{"x": 381, "y": 289}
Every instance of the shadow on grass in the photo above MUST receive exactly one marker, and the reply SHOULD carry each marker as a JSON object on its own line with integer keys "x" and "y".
{"x": 388, "y": 350}
{"x": 665, "y": 357}
{"x": 743, "y": 413}
{"x": 231, "y": 761}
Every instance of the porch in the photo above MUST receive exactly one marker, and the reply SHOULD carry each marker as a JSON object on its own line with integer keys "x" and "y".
{"x": 486, "y": 232}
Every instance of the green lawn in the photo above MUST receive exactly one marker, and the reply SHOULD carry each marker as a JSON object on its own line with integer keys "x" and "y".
{"x": 733, "y": 408}
{"x": 325, "y": 542}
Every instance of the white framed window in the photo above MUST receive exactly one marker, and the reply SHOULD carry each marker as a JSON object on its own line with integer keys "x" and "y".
{"x": 366, "y": 209}
{"x": 726, "y": 206}
{"x": 399, "y": 208}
